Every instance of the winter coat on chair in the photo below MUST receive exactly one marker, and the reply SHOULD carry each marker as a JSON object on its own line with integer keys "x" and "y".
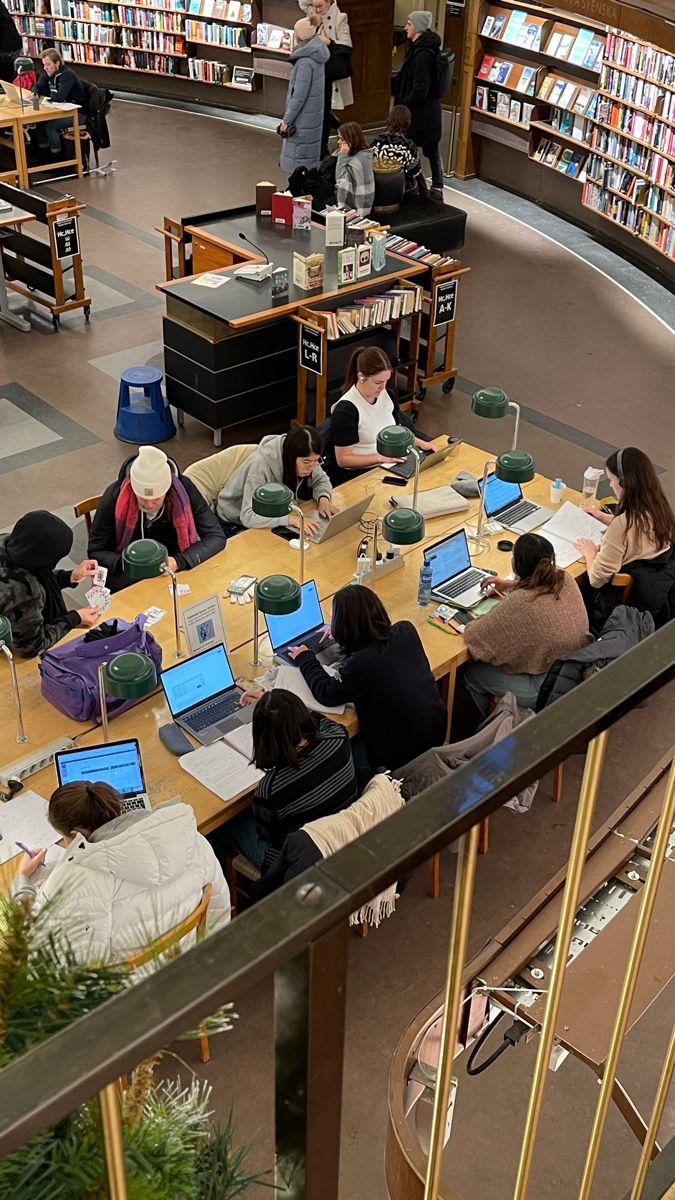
{"x": 624, "y": 629}
{"x": 336, "y": 26}
{"x": 304, "y": 106}
{"x": 415, "y": 86}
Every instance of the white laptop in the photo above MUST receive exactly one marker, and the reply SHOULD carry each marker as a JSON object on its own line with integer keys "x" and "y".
{"x": 453, "y": 579}
{"x": 115, "y": 763}
{"x": 329, "y": 526}
{"x": 14, "y": 93}
{"x": 504, "y": 502}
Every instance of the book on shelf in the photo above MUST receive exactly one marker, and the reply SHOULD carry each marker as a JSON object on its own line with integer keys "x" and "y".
{"x": 556, "y": 91}
{"x": 553, "y": 43}
{"x": 568, "y": 94}
{"x": 485, "y": 66}
{"x": 243, "y": 77}
{"x": 494, "y": 25}
{"x": 378, "y": 248}
{"x": 233, "y": 10}
{"x": 545, "y": 87}
{"x": 565, "y": 45}
{"x": 562, "y": 120}
{"x": 274, "y": 39}
{"x": 503, "y": 73}
{"x": 581, "y": 47}
{"x": 582, "y": 100}
{"x": 514, "y": 26}
{"x": 564, "y": 161}
{"x": 492, "y": 101}
{"x": 515, "y": 110}
{"x": 481, "y": 97}
{"x": 575, "y": 163}
{"x": 527, "y": 81}
{"x": 262, "y": 32}
{"x": 502, "y": 109}
{"x": 528, "y": 109}
{"x": 553, "y": 152}
{"x": 593, "y": 57}
{"x": 530, "y": 36}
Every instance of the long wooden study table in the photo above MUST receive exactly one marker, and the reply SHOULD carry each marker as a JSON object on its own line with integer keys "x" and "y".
{"x": 261, "y": 553}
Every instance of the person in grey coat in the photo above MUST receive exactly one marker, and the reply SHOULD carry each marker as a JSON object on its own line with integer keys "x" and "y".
{"x": 292, "y": 458}
{"x": 305, "y": 98}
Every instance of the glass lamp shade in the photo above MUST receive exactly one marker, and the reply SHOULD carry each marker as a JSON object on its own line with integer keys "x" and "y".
{"x": 515, "y": 466}
{"x": 490, "y": 402}
{"x": 144, "y": 558}
{"x": 272, "y": 500}
{"x": 403, "y": 527}
{"x": 278, "y": 595}
{"x": 5, "y": 631}
{"x": 394, "y": 441}
{"x": 130, "y": 676}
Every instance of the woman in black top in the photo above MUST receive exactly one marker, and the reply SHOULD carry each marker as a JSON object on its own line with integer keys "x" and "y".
{"x": 386, "y": 675}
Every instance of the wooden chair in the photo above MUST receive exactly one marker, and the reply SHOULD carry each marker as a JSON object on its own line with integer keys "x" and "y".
{"x": 85, "y": 508}
{"x": 211, "y": 474}
{"x": 167, "y": 945}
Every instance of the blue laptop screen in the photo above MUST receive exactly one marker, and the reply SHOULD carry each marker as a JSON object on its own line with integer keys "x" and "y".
{"x": 197, "y": 680}
{"x": 498, "y": 494}
{"x": 291, "y": 628}
{"x": 117, "y": 763}
{"x": 448, "y": 558}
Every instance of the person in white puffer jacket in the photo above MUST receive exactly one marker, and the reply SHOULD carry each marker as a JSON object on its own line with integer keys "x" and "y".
{"x": 125, "y": 878}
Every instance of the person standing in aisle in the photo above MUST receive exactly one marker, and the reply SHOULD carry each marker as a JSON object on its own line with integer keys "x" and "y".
{"x": 415, "y": 86}
{"x": 11, "y": 44}
{"x": 303, "y": 116}
{"x": 335, "y": 33}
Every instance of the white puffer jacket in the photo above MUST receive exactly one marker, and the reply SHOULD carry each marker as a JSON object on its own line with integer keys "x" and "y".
{"x": 138, "y": 877}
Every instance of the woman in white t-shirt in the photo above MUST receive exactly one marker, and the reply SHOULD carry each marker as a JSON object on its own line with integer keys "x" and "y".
{"x": 363, "y": 410}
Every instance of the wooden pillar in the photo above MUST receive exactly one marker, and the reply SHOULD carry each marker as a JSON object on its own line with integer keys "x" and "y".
{"x": 372, "y": 26}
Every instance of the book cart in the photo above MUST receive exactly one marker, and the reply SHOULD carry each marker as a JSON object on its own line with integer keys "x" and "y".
{"x": 46, "y": 271}
{"x": 439, "y": 314}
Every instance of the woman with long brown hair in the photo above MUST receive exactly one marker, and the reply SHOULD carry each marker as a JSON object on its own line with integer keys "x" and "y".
{"x": 540, "y": 618}
{"x": 354, "y": 179}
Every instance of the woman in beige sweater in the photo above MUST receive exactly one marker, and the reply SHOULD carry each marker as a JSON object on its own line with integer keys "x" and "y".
{"x": 541, "y": 618}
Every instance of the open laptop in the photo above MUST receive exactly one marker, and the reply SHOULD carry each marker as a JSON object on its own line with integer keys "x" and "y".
{"x": 430, "y": 458}
{"x": 305, "y": 626}
{"x": 329, "y": 526}
{"x": 14, "y": 93}
{"x": 504, "y": 502}
{"x": 116, "y": 763}
{"x": 453, "y": 579}
{"x": 203, "y": 697}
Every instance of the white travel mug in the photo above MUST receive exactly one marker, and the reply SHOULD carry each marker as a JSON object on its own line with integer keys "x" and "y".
{"x": 557, "y": 491}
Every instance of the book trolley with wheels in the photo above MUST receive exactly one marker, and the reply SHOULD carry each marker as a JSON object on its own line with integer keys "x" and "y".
{"x": 47, "y": 271}
{"x": 437, "y": 332}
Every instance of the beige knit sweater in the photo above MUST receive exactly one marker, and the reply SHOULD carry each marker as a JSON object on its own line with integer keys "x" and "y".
{"x": 528, "y": 631}
{"x": 620, "y": 546}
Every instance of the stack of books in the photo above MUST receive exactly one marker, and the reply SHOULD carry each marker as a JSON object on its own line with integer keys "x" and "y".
{"x": 410, "y": 249}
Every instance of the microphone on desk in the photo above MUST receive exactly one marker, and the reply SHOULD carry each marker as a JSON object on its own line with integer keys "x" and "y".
{"x": 254, "y": 272}
{"x": 260, "y": 250}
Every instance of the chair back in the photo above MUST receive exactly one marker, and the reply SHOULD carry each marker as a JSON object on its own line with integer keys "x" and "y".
{"x": 211, "y": 474}
{"x": 85, "y": 508}
{"x": 624, "y": 581}
{"x": 169, "y": 941}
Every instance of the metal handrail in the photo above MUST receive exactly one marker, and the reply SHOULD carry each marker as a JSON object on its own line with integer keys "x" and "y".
{"x": 67, "y": 1069}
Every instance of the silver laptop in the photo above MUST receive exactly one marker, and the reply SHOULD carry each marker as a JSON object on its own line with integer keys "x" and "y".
{"x": 203, "y": 697}
{"x": 453, "y": 579}
{"x": 12, "y": 92}
{"x": 430, "y": 458}
{"x": 303, "y": 627}
{"x": 115, "y": 763}
{"x": 342, "y": 520}
{"x": 504, "y": 502}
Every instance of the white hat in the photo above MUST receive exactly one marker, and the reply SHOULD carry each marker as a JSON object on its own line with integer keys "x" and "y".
{"x": 150, "y": 473}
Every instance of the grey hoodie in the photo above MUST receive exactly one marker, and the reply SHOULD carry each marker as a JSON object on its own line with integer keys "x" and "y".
{"x": 265, "y": 465}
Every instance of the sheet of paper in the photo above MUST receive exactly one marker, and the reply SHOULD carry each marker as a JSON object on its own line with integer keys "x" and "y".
{"x": 211, "y": 280}
{"x": 565, "y": 552}
{"x": 571, "y": 522}
{"x": 242, "y": 739}
{"x": 24, "y": 819}
{"x": 292, "y": 680}
{"x": 221, "y": 769}
{"x": 52, "y": 858}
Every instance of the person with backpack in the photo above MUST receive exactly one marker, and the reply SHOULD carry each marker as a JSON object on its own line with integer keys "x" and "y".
{"x": 395, "y": 145}
{"x": 416, "y": 86}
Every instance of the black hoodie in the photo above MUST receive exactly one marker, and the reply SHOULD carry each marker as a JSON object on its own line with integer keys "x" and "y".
{"x": 415, "y": 86}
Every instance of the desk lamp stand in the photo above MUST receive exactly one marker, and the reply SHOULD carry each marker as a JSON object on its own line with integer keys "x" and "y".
{"x": 166, "y": 570}
{"x": 297, "y": 509}
{"x": 476, "y": 536}
{"x": 22, "y": 736}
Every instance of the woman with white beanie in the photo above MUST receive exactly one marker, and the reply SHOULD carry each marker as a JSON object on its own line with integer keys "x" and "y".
{"x": 150, "y": 499}
{"x": 415, "y": 86}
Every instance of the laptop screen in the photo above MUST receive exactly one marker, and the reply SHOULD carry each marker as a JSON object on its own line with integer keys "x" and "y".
{"x": 291, "y": 628}
{"x": 116, "y": 763}
{"x": 197, "y": 680}
{"x": 448, "y": 558}
{"x": 498, "y": 494}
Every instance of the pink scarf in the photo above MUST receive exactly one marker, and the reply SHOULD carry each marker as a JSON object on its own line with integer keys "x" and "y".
{"x": 126, "y": 515}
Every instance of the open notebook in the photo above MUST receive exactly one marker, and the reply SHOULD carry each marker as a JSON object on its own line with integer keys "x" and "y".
{"x": 565, "y": 528}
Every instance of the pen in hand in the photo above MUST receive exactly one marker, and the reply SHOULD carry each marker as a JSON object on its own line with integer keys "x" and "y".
{"x": 30, "y": 853}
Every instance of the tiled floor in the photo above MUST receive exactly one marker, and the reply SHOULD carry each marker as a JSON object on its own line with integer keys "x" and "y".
{"x": 593, "y": 369}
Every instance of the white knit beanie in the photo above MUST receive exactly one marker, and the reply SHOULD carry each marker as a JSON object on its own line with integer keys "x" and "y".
{"x": 150, "y": 473}
{"x": 306, "y": 27}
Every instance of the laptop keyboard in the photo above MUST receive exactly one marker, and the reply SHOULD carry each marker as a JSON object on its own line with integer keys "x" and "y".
{"x": 523, "y": 509}
{"x": 406, "y": 470}
{"x": 313, "y": 642}
{"x": 459, "y": 586}
{"x": 213, "y": 713}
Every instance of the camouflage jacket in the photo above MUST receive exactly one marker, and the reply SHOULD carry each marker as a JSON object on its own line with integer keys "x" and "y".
{"x": 22, "y": 601}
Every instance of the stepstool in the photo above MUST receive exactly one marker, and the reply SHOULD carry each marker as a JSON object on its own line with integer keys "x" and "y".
{"x": 147, "y": 420}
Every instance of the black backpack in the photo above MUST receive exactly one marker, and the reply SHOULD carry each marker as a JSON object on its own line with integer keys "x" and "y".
{"x": 444, "y": 70}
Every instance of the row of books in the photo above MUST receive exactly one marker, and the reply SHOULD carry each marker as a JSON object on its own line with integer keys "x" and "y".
{"x": 90, "y": 12}
{"x": 619, "y": 179}
{"x": 274, "y": 37}
{"x": 658, "y": 66}
{"x": 516, "y": 28}
{"x": 629, "y": 120}
{"x": 82, "y": 32}
{"x": 560, "y": 158}
{"x": 633, "y": 218}
{"x": 162, "y": 19}
{"x": 221, "y": 73}
{"x": 232, "y": 36}
{"x": 374, "y": 310}
{"x": 400, "y": 245}
{"x": 648, "y": 162}
{"x": 503, "y": 105}
{"x": 75, "y": 52}
{"x": 555, "y": 89}
{"x": 570, "y": 124}
{"x": 221, "y": 10}
{"x": 508, "y": 74}
{"x": 632, "y": 90}
{"x": 660, "y": 235}
{"x": 27, "y": 6}
{"x": 583, "y": 48}
{"x": 658, "y": 201}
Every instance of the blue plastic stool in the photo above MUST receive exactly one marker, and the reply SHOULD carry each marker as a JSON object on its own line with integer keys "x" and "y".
{"x": 147, "y": 420}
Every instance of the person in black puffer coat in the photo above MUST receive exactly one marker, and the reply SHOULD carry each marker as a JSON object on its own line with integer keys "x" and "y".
{"x": 415, "y": 86}
{"x": 625, "y": 629}
{"x": 10, "y": 44}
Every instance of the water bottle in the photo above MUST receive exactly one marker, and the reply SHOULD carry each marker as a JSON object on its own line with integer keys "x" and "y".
{"x": 424, "y": 589}
{"x": 590, "y": 486}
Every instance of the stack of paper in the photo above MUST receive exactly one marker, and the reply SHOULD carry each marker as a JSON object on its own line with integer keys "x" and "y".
{"x": 24, "y": 819}
{"x": 221, "y": 769}
{"x": 292, "y": 680}
{"x": 566, "y": 527}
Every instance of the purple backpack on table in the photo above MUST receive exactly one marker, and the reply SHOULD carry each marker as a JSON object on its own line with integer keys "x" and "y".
{"x": 69, "y": 672}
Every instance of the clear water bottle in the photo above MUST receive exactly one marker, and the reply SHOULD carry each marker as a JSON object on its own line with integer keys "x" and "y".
{"x": 424, "y": 589}
{"x": 592, "y": 476}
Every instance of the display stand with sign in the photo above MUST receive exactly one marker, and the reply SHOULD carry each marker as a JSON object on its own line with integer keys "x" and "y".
{"x": 46, "y": 272}
{"x": 438, "y": 328}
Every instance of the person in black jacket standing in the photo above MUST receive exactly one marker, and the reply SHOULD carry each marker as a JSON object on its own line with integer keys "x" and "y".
{"x": 11, "y": 44}
{"x": 415, "y": 86}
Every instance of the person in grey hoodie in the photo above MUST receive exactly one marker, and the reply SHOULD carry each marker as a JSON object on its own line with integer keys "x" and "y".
{"x": 303, "y": 116}
{"x": 292, "y": 458}
{"x": 354, "y": 179}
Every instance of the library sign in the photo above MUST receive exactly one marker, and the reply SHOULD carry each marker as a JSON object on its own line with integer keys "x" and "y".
{"x": 311, "y": 349}
{"x": 66, "y": 237}
{"x": 445, "y": 302}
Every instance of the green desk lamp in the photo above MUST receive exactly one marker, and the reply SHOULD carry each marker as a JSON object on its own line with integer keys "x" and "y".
{"x": 277, "y": 595}
{"x": 513, "y": 466}
{"x": 402, "y": 527}
{"x": 6, "y": 639}
{"x": 277, "y": 500}
{"x": 145, "y": 559}
{"x": 395, "y": 441}
{"x": 129, "y": 676}
{"x": 493, "y": 403}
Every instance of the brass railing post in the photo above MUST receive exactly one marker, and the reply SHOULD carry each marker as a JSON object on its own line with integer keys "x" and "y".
{"x": 645, "y": 912}
{"x": 595, "y": 756}
{"x": 459, "y": 932}
{"x": 655, "y": 1119}
{"x": 113, "y": 1145}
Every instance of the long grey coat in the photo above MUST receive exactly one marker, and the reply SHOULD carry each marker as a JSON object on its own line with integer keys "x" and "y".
{"x": 304, "y": 105}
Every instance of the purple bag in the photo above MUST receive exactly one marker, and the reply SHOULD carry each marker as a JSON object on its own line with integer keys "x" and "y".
{"x": 69, "y": 673}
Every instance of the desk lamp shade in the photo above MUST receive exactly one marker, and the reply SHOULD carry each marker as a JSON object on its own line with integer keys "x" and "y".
{"x": 23, "y": 65}
{"x": 144, "y": 559}
{"x": 490, "y": 402}
{"x": 515, "y": 466}
{"x": 129, "y": 676}
{"x": 394, "y": 441}
{"x": 5, "y": 632}
{"x": 278, "y": 595}
{"x": 403, "y": 527}
{"x": 272, "y": 500}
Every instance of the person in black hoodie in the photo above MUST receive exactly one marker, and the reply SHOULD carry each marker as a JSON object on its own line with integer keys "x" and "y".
{"x": 61, "y": 85}
{"x": 150, "y": 499}
{"x": 10, "y": 44}
{"x": 386, "y": 675}
{"x": 415, "y": 86}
